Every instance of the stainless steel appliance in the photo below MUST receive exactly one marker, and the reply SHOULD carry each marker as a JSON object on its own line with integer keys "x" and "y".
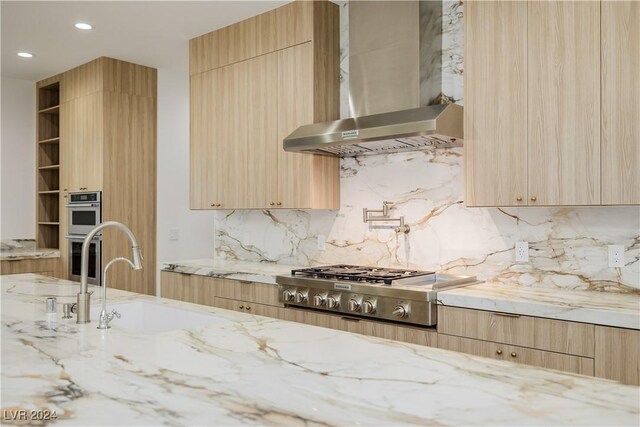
{"x": 406, "y": 296}
{"x": 85, "y": 214}
{"x": 75, "y": 259}
{"x": 396, "y": 98}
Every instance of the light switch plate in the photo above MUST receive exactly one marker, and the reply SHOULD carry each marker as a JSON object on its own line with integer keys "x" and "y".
{"x": 522, "y": 251}
{"x": 616, "y": 256}
{"x": 174, "y": 234}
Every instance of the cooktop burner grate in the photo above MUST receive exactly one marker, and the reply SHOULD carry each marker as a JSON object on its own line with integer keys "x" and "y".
{"x": 355, "y": 273}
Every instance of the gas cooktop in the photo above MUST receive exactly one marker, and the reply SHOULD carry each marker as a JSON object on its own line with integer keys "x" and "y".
{"x": 354, "y": 273}
{"x": 387, "y": 294}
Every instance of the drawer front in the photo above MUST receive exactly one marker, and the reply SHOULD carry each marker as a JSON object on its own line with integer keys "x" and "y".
{"x": 246, "y": 291}
{"x": 516, "y": 354}
{"x": 525, "y": 331}
{"x": 186, "y": 287}
{"x": 401, "y": 333}
{"x": 325, "y": 320}
{"x": 249, "y": 307}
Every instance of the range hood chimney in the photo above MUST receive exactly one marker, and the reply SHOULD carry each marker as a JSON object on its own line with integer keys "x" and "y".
{"x": 395, "y": 83}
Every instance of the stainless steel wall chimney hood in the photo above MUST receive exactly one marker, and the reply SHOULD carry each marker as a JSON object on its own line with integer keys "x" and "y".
{"x": 395, "y": 63}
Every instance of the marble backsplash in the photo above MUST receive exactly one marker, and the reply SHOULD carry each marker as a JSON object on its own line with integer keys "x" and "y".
{"x": 567, "y": 246}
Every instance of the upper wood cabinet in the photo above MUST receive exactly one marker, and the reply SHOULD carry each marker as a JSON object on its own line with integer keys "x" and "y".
{"x": 243, "y": 104}
{"x": 620, "y": 133}
{"x": 550, "y": 101}
{"x": 495, "y": 111}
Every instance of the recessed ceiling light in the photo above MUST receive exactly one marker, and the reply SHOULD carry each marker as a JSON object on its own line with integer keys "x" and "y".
{"x": 24, "y": 54}
{"x": 83, "y": 26}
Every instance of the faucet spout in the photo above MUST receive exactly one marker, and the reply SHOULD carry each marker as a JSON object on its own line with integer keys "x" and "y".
{"x": 83, "y": 295}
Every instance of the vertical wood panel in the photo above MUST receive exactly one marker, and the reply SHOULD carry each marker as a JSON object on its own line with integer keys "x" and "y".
{"x": 620, "y": 102}
{"x": 495, "y": 84}
{"x": 617, "y": 354}
{"x": 564, "y": 102}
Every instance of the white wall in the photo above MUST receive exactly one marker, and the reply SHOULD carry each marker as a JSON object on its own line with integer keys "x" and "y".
{"x": 17, "y": 153}
{"x": 196, "y": 228}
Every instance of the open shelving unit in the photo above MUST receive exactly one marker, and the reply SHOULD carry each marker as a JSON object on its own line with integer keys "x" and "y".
{"x": 48, "y": 167}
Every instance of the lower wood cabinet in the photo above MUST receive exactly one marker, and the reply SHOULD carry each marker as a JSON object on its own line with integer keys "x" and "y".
{"x": 618, "y": 354}
{"x": 249, "y": 307}
{"x": 527, "y": 356}
{"x": 390, "y": 331}
{"x": 44, "y": 266}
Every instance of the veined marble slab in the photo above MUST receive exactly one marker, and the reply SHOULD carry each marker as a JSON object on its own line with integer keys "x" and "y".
{"x": 600, "y": 308}
{"x": 254, "y": 370}
{"x": 16, "y": 249}
{"x": 260, "y": 272}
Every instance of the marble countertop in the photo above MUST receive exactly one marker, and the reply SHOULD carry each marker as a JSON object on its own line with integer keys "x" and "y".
{"x": 18, "y": 249}
{"x": 247, "y": 369}
{"x": 600, "y": 308}
{"x": 260, "y": 272}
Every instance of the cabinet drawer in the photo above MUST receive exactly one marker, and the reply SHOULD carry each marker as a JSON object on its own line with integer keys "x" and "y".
{"x": 516, "y": 354}
{"x": 617, "y": 354}
{"x": 186, "y": 287}
{"x": 246, "y": 291}
{"x": 544, "y": 334}
{"x": 249, "y": 307}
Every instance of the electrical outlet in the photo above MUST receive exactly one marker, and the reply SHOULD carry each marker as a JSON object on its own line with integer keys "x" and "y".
{"x": 322, "y": 239}
{"x": 616, "y": 255}
{"x": 174, "y": 234}
{"x": 522, "y": 251}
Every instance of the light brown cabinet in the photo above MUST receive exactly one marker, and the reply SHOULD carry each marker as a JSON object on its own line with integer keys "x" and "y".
{"x": 249, "y": 307}
{"x": 247, "y": 94}
{"x": 618, "y": 354}
{"x": 107, "y": 142}
{"x": 620, "y": 53}
{"x": 550, "y": 101}
{"x": 526, "y": 356}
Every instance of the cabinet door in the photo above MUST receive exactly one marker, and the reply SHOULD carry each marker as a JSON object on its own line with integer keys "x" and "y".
{"x": 81, "y": 146}
{"x": 617, "y": 354}
{"x": 526, "y": 356}
{"x": 620, "y": 53}
{"x": 495, "y": 132}
{"x": 295, "y": 108}
{"x": 249, "y": 307}
{"x": 564, "y": 102}
{"x": 186, "y": 287}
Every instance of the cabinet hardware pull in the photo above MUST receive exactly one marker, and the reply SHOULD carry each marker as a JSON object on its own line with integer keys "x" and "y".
{"x": 279, "y": 203}
{"x": 515, "y": 316}
{"x": 514, "y": 354}
{"x": 534, "y": 198}
{"x": 218, "y": 205}
{"x": 350, "y": 319}
{"x": 498, "y": 351}
{"x": 213, "y": 205}
{"x": 519, "y": 198}
{"x": 271, "y": 204}
{"x": 248, "y": 308}
{"x": 241, "y": 307}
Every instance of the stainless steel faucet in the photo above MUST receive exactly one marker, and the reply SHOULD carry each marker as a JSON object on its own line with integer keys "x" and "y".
{"x": 84, "y": 297}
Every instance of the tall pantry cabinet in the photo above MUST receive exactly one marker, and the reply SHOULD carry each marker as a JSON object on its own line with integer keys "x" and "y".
{"x": 252, "y": 84}
{"x": 551, "y": 103}
{"x": 107, "y": 142}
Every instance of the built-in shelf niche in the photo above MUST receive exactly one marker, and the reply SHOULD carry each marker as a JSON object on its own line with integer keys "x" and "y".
{"x": 48, "y": 166}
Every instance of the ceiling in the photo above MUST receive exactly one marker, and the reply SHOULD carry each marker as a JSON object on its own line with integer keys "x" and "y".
{"x": 152, "y": 33}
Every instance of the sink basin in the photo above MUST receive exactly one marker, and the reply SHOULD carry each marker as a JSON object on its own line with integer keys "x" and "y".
{"x": 149, "y": 317}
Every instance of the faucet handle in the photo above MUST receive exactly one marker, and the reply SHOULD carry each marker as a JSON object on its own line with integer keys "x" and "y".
{"x": 114, "y": 313}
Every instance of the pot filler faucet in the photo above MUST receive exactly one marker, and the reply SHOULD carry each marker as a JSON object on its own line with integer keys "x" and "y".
{"x": 84, "y": 297}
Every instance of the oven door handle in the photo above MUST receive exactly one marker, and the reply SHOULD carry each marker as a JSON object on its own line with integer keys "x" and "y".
{"x": 81, "y": 237}
{"x": 84, "y": 205}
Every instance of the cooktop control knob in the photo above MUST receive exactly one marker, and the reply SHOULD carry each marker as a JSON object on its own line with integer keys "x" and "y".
{"x": 302, "y": 296}
{"x": 401, "y": 310}
{"x": 288, "y": 295}
{"x": 333, "y": 301}
{"x": 369, "y": 306}
{"x": 354, "y": 304}
{"x": 319, "y": 300}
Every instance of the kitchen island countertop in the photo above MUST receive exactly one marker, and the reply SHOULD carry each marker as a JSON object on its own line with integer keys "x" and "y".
{"x": 260, "y": 272}
{"x": 247, "y": 369}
